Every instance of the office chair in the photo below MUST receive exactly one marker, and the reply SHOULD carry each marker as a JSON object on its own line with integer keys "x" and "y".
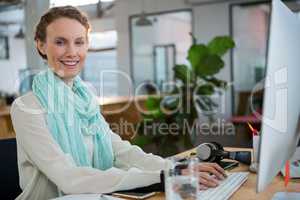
{"x": 9, "y": 176}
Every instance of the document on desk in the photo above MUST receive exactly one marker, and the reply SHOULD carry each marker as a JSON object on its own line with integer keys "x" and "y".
{"x": 87, "y": 197}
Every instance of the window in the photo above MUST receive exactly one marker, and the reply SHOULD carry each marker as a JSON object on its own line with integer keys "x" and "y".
{"x": 250, "y": 24}
{"x": 101, "y": 64}
{"x": 103, "y": 40}
{"x": 4, "y": 53}
{"x": 153, "y": 59}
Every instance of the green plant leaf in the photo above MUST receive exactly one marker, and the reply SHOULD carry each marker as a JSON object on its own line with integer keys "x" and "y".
{"x": 207, "y": 89}
{"x": 210, "y": 65}
{"x": 183, "y": 73}
{"x": 154, "y": 115}
{"x": 220, "y": 45}
{"x": 152, "y": 103}
{"x": 217, "y": 82}
{"x": 196, "y": 54}
{"x": 141, "y": 140}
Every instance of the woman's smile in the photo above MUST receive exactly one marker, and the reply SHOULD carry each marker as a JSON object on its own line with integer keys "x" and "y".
{"x": 70, "y": 64}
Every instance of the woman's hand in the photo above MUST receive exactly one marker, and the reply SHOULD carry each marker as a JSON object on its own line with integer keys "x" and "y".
{"x": 209, "y": 174}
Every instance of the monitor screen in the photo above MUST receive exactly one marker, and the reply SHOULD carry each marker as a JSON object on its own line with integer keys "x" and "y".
{"x": 280, "y": 117}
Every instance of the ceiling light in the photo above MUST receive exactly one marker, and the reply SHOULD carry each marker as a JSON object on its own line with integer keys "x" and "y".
{"x": 143, "y": 20}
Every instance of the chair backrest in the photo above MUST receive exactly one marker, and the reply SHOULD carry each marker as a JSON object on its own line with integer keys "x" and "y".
{"x": 9, "y": 176}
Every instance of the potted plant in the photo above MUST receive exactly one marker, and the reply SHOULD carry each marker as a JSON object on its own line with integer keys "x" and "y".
{"x": 178, "y": 111}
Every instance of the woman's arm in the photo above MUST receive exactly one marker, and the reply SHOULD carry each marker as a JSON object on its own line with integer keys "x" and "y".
{"x": 46, "y": 155}
{"x": 128, "y": 156}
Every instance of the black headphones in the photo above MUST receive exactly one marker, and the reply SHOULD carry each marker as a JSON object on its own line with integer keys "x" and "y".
{"x": 214, "y": 152}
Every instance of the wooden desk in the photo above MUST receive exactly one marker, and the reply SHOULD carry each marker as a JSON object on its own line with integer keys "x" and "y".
{"x": 116, "y": 110}
{"x": 6, "y": 129}
{"x": 248, "y": 189}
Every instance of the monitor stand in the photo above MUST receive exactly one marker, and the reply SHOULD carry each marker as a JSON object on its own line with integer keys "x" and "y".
{"x": 286, "y": 196}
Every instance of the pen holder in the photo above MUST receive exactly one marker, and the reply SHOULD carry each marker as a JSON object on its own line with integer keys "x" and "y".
{"x": 255, "y": 159}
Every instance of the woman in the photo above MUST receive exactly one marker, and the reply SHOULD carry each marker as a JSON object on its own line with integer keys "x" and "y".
{"x": 64, "y": 144}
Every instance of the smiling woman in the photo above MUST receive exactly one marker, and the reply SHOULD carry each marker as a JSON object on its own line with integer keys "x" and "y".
{"x": 64, "y": 50}
{"x": 64, "y": 144}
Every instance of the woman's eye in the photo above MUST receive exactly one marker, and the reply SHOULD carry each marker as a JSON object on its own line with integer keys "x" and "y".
{"x": 79, "y": 43}
{"x": 59, "y": 42}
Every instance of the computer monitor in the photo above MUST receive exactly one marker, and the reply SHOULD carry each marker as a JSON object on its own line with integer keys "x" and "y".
{"x": 281, "y": 108}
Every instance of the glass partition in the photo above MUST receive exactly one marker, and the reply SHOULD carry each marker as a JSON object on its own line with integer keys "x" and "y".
{"x": 250, "y": 23}
{"x": 158, "y": 41}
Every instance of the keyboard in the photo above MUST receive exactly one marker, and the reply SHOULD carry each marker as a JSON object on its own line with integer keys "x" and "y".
{"x": 226, "y": 188}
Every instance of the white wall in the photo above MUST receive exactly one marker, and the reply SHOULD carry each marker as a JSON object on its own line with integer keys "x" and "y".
{"x": 209, "y": 20}
{"x": 103, "y": 24}
{"x": 10, "y": 68}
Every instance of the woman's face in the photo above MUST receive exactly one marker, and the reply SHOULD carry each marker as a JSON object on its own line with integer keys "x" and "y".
{"x": 65, "y": 46}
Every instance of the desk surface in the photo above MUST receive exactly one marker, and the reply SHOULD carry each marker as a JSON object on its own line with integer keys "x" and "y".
{"x": 4, "y": 111}
{"x": 248, "y": 189}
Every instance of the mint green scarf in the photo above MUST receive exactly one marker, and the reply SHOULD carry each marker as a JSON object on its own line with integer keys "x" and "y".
{"x": 71, "y": 114}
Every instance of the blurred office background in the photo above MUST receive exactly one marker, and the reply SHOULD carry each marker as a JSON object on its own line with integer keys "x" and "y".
{"x": 143, "y": 40}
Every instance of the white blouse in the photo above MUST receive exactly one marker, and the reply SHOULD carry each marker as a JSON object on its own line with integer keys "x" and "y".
{"x": 45, "y": 170}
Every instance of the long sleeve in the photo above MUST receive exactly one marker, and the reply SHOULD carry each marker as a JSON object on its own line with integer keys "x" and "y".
{"x": 128, "y": 155}
{"x": 44, "y": 153}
